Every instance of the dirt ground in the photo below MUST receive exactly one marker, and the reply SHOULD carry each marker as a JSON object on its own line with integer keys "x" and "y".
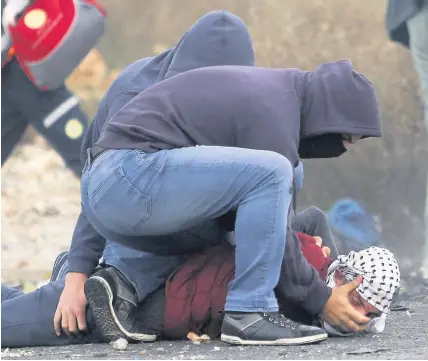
{"x": 40, "y": 204}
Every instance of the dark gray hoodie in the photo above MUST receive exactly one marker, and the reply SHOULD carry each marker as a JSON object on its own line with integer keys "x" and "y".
{"x": 287, "y": 111}
{"x": 217, "y": 38}
{"x": 248, "y": 107}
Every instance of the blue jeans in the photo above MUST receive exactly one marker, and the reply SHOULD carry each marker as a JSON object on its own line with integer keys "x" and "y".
{"x": 147, "y": 272}
{"x": 139, "y": 200}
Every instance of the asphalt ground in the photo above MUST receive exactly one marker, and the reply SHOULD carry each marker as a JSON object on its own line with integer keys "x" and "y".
{"x": 405, "y": 337}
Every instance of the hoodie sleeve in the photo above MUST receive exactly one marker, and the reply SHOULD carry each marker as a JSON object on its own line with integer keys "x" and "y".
{"x": 87, "y": 247}
{"x": 299, "y": 282}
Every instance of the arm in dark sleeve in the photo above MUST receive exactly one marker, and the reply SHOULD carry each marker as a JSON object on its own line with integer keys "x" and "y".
{"x": 299, "y": 282}
{"x": 87, "y": 247}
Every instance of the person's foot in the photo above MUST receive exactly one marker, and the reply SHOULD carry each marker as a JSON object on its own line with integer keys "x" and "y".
{"x": 267, "y": 329}
{"x": 60, "y": 267}
{"x": 113, "y": 302}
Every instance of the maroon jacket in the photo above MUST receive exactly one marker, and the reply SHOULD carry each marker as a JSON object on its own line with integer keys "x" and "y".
{"x": 196, "y": 291}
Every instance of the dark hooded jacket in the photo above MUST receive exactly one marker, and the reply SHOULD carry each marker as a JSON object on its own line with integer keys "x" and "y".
{"x": 255, "y": 108}
{"x": 218, "y": 38}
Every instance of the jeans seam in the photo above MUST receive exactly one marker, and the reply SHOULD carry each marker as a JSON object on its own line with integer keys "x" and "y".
{"x": 121, "y": 175}
{"x": 270, "y": 236}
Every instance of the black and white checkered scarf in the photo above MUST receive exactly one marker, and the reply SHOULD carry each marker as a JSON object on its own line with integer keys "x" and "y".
{"x": 381, "y": 279}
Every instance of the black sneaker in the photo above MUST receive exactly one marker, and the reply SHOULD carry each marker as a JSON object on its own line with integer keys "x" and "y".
{"x": 267, "y": 329}
{"x": 60, "y": 267}
{"x": 114, "y": 304}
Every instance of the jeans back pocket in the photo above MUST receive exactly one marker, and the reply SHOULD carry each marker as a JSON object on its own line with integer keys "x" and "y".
{"x": 117, "y": 204}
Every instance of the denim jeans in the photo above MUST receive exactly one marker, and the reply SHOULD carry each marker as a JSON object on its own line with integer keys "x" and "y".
{"x": 27, "y": 318}
{"x": 147, "y": 272}
{"x": 138, "y": 199}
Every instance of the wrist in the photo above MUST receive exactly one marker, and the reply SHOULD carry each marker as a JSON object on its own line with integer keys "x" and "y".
{"x": 75, "y": 278}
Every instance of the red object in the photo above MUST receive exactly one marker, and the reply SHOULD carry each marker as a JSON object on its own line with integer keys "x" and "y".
{"x": 313, "y": 254}
{"x": 35, "y": 37}
{"x": 196, "y": 291}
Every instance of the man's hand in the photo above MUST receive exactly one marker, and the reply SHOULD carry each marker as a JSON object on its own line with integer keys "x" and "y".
{"x": 338, "y": 311}
{"x": 70, "y": 314}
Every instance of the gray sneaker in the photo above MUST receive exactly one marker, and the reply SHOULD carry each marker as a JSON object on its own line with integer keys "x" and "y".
{"x": 267, "y": 329}
{"x": 114, "y": 305}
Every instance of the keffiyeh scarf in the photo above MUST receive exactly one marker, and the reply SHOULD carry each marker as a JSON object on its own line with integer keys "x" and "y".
{"x": 381, "y": 279}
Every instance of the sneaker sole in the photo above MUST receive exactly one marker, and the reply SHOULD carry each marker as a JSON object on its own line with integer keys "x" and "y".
{"x": 100, "y": 297}
{"x": 234, "y": 340}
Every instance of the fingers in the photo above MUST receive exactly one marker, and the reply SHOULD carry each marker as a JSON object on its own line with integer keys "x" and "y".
{"x": 356, "y": 317}
{"x": 81, "y": 320}
{"x": 57, "y": 322}
{"x": 64, "y": 323}
{"x": 326, "y": 251}
{"x": 72, "y": 323}
{"x": 318, "y": 241}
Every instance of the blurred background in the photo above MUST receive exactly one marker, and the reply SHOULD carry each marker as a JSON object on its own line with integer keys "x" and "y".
{"x": 40, "y": 197}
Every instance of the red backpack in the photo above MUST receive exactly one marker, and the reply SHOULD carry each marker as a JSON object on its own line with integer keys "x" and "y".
{"x": 52, "y": 37}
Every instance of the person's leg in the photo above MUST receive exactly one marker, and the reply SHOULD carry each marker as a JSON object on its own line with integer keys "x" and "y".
{"x": 418, "y": 32}
{"x": 7, "y": 293}
{"x": 115, "y": 292}
{"x": 189, "y": 186}
{"x": 313, "y": 221}
{"x": 13, "y": 124}
{"x": 55, "y": 114}
{"x": 28, "y": 320}
{"x": 170, "y": 191}
{"x": 146, "y": 272}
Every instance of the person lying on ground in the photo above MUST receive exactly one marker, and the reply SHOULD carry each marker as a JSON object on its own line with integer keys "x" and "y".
{"x": 199, "y": 289}
{"x": 227, "y": 138}
{"x": 217, "y": 38}
{"x": 172, "y": 312}
{"x": 28, "y": 321}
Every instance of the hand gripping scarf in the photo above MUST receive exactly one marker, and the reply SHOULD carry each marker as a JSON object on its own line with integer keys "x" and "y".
{"x": 381, "y": 279}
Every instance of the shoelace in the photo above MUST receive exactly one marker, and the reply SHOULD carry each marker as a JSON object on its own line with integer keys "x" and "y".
{"x": 280, "y": 319}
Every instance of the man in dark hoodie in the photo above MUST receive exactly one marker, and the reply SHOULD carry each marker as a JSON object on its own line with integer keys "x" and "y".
{"x": 218, "y": 38}
{"x": 213, "y": 140}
